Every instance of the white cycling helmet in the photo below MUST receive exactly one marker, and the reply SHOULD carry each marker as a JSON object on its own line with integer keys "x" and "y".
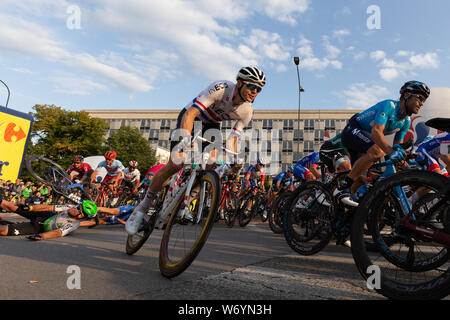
{"x": 252, "y": 74}
{"x": 133, "y": 163}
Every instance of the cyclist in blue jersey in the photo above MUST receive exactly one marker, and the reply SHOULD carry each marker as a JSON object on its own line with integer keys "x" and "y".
{"x": 364, "y": 135}
{"x": 285, "y": 179}
{"x": 306, "y": 168}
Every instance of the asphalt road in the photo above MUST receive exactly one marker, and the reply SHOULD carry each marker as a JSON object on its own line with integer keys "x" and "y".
{"x": 250, "y": 263}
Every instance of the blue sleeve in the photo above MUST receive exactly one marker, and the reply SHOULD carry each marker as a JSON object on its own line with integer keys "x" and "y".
{"x": 101, "y": 164}
{"x": 383, "y": 112}
{"x": 399, "y": 136}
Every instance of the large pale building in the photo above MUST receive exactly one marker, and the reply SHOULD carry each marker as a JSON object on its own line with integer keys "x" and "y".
{"x": 292, "y": 140}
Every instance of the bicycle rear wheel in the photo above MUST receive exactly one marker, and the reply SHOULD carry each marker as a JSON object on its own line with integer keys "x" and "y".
{"x": 410, "y": 266}
{"x": 309, "y": 218}
{"x": 277, "y": 211}
{"x": 50, "y": 173}
{"x": 188, "y": 228}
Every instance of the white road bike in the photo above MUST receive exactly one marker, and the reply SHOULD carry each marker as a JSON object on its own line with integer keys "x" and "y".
{"x": 185, "y": 210}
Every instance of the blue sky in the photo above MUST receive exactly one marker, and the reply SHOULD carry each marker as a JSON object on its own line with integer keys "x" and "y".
{"x": 146, "y": 54}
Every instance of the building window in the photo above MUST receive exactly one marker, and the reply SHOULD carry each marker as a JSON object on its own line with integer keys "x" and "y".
{"x": 318, "y": 136}
{"x": 308, "y": 147}
{"x": 297, "y": 156}
{"x": 228, "y": 124}
{"x": 330, "y": 125}
{"x": 287, "y": 146}
{"x": 267, "y": 124}
{"x": 266, "y": 146}
{"x": 165, "y": 124}
{"x": 288, "y": 124}
{"x": 145, "y": 124}
{"x": 164, "y": 144}
{"x": 154, "y": 135}
{"x": 298, "y": 135}
{"x": 309, "y": 124}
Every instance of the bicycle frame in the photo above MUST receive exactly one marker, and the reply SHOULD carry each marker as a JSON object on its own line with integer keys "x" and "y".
{"x": 178, "y": 185}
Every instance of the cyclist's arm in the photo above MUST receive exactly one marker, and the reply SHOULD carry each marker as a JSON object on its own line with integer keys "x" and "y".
{"x": 50, "y": 234}
{"x": 187, "y": 123}
{"x": 446, "y": 159}
{"x": 380, "y": 140}
{"x": 93, "y": 175}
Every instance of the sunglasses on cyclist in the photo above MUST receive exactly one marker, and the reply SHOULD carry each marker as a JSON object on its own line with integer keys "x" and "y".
{"x": 419, "y": 98}
{"x": 252, "y": 86}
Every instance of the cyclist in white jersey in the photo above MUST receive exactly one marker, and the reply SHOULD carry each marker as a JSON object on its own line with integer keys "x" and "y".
{"x": 220, "y": 101}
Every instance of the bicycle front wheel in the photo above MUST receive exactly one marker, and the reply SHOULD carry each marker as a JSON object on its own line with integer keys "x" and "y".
{"x": 309, "y": 218}
{"x": 189, "y": 226}
{"x": 410, "y": 266}
{"x": 50, "y": 173}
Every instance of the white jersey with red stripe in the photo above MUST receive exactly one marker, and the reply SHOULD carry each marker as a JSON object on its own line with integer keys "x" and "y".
{"x": 215, "y": 105}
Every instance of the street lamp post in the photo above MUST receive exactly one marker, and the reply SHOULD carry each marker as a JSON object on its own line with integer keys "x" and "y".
{"x": 300, "y": 90}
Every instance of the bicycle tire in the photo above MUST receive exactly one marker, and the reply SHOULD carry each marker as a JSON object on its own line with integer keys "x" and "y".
{"x": 43, "y": 164}
{"x": 263, "y": 203}
{"x": 396, "y": 282}
{"x": 308, "y": 219}
{"x": 146, "y": 230}
{"x": 276, "y": 212}
{"x": 246, "y": 215}
{"x": 170, "y": 264}
{"x": 230, "y": 212}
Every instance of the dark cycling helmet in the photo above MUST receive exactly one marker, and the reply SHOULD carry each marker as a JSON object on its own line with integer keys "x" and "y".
{"x": 252, "y": 74}
{"x": 110, "y": 155}
{"x": 78, "y": 158}
{"x": 133, "y": 163}
{"x": 415, "y": 87}
{"x": 88, "y": 208}
{"x": 261, "y": 161}
{"x": 290, "y": 169}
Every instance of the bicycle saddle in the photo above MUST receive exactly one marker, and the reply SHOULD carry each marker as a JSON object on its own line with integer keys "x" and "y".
{"x": 442, "y": 124}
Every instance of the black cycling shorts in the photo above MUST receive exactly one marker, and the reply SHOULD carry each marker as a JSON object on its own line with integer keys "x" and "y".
{"x": 205, "y": 127}
{"x": 24, "y": 228}
{"x": 356, "y": 140}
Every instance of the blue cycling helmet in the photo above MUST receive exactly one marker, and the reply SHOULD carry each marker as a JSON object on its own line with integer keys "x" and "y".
{"x": 290, "y": 169}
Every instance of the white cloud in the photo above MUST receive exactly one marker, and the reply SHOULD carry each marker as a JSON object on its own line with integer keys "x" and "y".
{"x": 389, "y": 74}
{"x": 333, "y": 52}
{"x": 391, "y": 69}
{"x": 429, "y": 60}
{"x": 311, "y": 62}
{"x": 341, "y": 33}
{"x": 283, "y": 10}
{"x": 20, "y": 36}
{"x": 362, "y": 96}
{"x": 378, "y": 55}
{"x": 71, "y": 84}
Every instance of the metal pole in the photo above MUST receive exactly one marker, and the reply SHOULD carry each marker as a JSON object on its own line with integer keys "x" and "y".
{"x": 300, "y": 90}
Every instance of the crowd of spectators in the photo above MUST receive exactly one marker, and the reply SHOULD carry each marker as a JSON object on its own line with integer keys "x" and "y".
{"x": 27, "y": 193}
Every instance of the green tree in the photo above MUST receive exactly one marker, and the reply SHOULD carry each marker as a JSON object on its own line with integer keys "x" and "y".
{"x": 60, "y": 134}
{"x": 130, "y": 145}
